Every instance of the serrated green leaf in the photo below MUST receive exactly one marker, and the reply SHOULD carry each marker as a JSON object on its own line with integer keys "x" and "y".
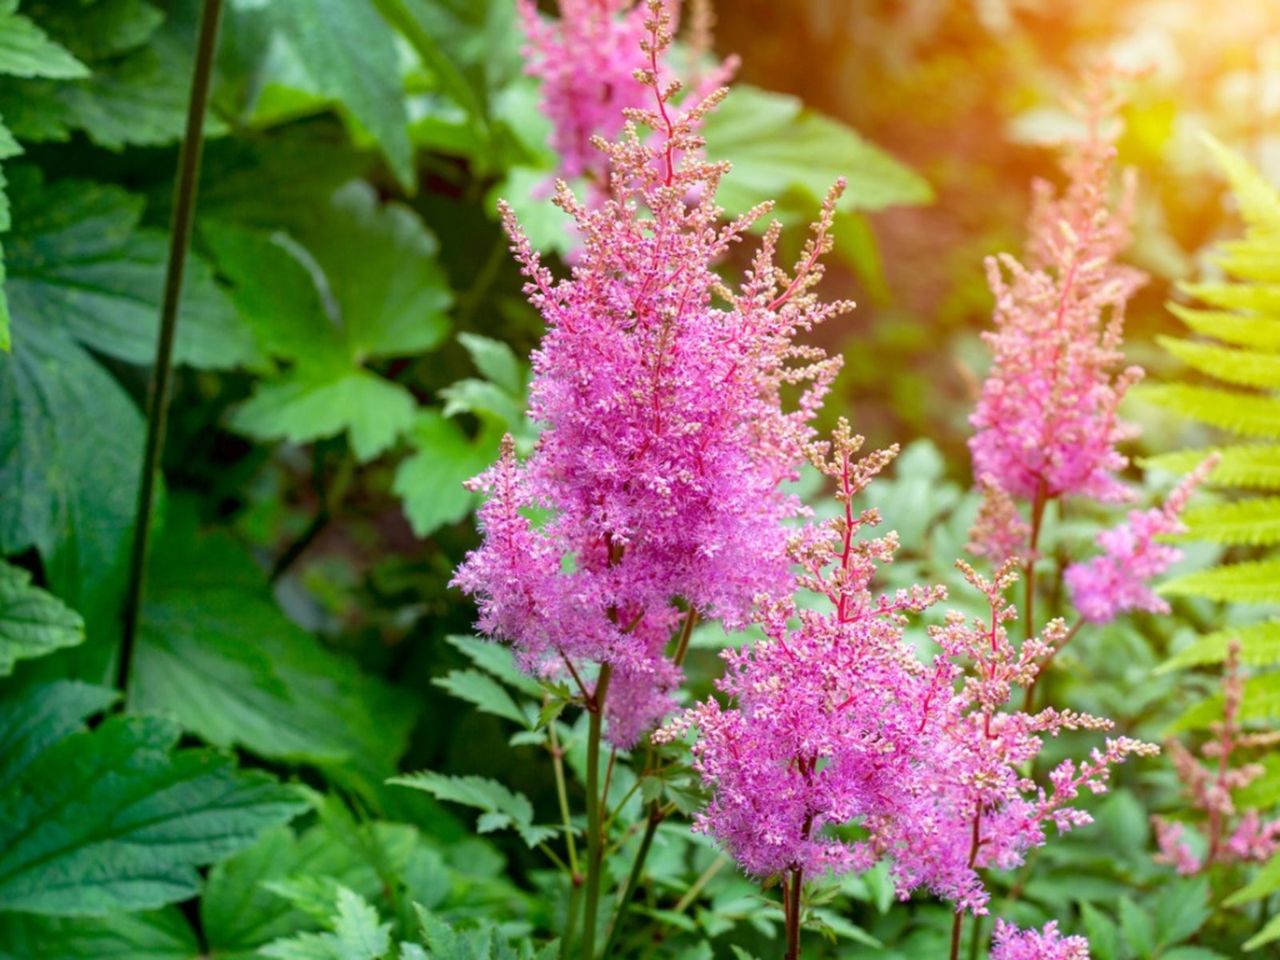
{"x": 155, "y": 935}
{"x": 502, "y": 805}
{"x": 1247, "y": 465}
{"x": 102, "y": 29}
{"x": 357, "y": 65}
{"x": 1244, "y": 330}
{"x": 310, "y": 406}
{"x": 495, "y": 659}
{"x": 115, "y": 819}
{"x": 430, "y": 481}
{"x": 483, "y": 691}
{"x": 1181, "y": 910}
{"x": 1259, "y": 646}
{"x": 78, "y": 262}
{"x": 216, "y": 652}
{"x": 496, "y": 360}
{"x": 1234, "y": 365}
{"x": 1254, "y": 522}
{"x": 32, "y": 622}
{"x": 1249, "y": 414}
{"x": 778, "y": 147}
{"x": 1259, "y": 201}
{"x": 1253, "y": 582}
{"x": 358, "y": 934}
{"x": 1104, "y": 936}
{"x": 1257, "y": 298}
{"x": 1137, "y": 930}
{"x": 39, "y": 716}
{"x": 26, "y": 51}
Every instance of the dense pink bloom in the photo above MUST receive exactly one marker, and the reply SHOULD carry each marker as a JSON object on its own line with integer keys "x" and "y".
{"x": 1117, "y": 580}
{"x": 1010, "y": 943}
{"x": 665, "y": 436}
{"x": 1046, "y": 422}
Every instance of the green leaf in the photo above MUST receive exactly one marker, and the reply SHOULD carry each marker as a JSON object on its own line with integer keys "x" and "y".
{"x": 1261, "y": 702}
{"x": 1104, "y": 937}
{"x": 1264, "y": 792}
{"x": 1244, "y": 330}
{"x": 216, "y": 652}
{"x": 1258, "y": 298}
{"x": 1244, "y": 368}
{"x": 483, "y": 691}
{"x": 1181, "y": 909}
{"x": 778, "y": 147}
{"x": 430, "y": 481}
{"x": 77, "y": 262}
{"x": 1267, "y": 934}
{"x": 32, "y": 622}
{"x": 1259, "y": 646}
{"x": 307, "y": 407}
{"x": 350, "y": 55}
{"x": 1136, "y": 929}
{"x": 1247, "y": 465}
{"x": 40, "y": 716}
{"x": 1244, "y": 413}
{"x": 1191, "y": 953}
{"x": 155, "y": 935}
{"x": 25, "y": 50}
{"x": 115, "y": 819}
{"x": 357, "y": 935}
{"x": 497, "y": 660}
{"x": 104, "y": 28}
{"x": 501, "y": 807}
{"x": 1254, "y": 522}
{"x": 496, "y": 360}
{"x": 1264, "y": 883}
{"x": 1254, "y": 582}
{"x": 1259, "y": 201}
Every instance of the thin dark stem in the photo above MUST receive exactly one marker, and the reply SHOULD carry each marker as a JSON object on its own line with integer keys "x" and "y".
{"x": 595, "y": 839}
{"x": 793, "y": 914}
{"x": 1037, "y": 519}
{"x": 975, "y": 938}
{"x": 957, "y": 927}
{"x": 682, "y": 645}
{"x": 162, "y": 372}
{"x": 633, "y": 878}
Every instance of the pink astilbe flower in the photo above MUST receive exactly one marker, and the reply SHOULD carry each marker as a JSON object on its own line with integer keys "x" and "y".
{"x": 665, "y": 435}
{"x": 1231, "y": 836}
{"x": 1117, "y": 580}
{"x": 826, "y": 713}
{"x": 1010, "y": 943}
{"x": 967, "y": 804}
{"x": 1046, "y": 423}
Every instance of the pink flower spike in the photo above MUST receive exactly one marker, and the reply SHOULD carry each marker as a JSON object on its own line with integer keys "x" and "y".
{"x": 1117, "y": 580}
{"x": 1011, "y": 943}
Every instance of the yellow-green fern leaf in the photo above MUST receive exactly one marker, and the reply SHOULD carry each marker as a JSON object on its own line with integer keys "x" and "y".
{"x": 1252, "y": 259}
{"x": 1245, "y": 368}
{"x": 1261, "y": 703}
{"x": 1258, "y": 199}
{"x": 1245, "y": 330}
{"x": 1255, "y": 582}
{"x": 1252, "y": 523}
{"x": 1259, "y": 647}
{"x": 1259, "y": 298}
{"x": 1255, "y": 465}
{"x": 1250, "y": 414}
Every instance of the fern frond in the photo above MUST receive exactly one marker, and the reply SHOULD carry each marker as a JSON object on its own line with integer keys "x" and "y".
{"x": 1261, "y": 703}
{"x": 1259, "y": 201}
{"x": 1259, "y": 647}
{"x": 1245, "y": 368}
{"x": 1255, "y": 582}
{"x": 1255, "y": 465}
{"x": 1252, "y": 523}
{"x": 1249, "y": 414}
{"x": 1250, "y": 259}
{"x": 1257, "y": 298}
{"x": 1241, "y": 329}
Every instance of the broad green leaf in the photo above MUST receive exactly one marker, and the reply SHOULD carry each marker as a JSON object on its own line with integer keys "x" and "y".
{"x": 115, "y": 819}
{"x": 70, "y": 443}
{"x": 1254, "y": 522}
{"x": 1254, "y": 465}
{"x": 1191, "y": 953}
{"x": 1259, "y": 646}
{"x": 104, "y": 28}
{"x": 501, "y": 807}
{"x": 26, "y": 51}
{"x": 495, "y": 659}
{"x": 154, "y": 935}
{"x": 40, "y": 716}
{"x": 1253, "y": 582}
{"x": 1268, "y": 934}
{"x": 1137, "y": 929}
{"x": 778, "y": 147}
{"x": 1104, "y": 936}
{"x": 483, "y": 691}
{"x": 1249, "y": 414}
{"x": 358, "y": 934}
{"x": 486, "y": 400}
{"x": 32, "y": 622}
{"x": 1242, "y": 367}
{"x": 496, "y": 360}
{"x": 430, "y": 481}
{"x": 350, "y": 55}
{"x": 1181, "y": 910}
{"x": 78, "y": 262}
{"x": 216, "y": 652}
{"x": 1265, "y": 882}
{"x": 306, "y": 407}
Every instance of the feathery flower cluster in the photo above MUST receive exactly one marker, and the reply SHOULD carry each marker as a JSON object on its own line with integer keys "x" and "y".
{"x": 665, "y": 434}
{"x": 837, "y": 721}
{"x": 1046, "y": 423}
{"x": 1210, "y": 790}
{"x": 1010, "y": 943}
{"x": 1116, "y": 580}
{"x": 826, "y": 714}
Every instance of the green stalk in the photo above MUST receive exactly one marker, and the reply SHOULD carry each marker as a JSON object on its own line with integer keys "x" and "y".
{"x": 595, "y": 838}
{"x": 162, "y": 372}
{"x": 633, "y": 879}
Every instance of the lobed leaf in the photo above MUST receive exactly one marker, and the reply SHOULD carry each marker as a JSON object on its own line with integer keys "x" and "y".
{"x": 32, "y": 622}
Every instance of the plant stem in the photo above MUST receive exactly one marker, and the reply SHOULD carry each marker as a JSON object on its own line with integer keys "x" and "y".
{"x": 695, "y": 888}
{"x": 595, "y": 838}
{"x": 633, "y": 879}
{"x": 957, "y": 925}
{"x": 184, "y": 205}
{"x": 793, "y": 914}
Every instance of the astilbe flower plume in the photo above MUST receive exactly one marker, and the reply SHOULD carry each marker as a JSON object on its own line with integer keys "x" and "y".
{"x": 1231, "y": 835}
{"x": 1046, "y": 423}
{"x": 665, "y": 437}
{"x": 1010, "y": 943}
{"x": 1117, "y": 580}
